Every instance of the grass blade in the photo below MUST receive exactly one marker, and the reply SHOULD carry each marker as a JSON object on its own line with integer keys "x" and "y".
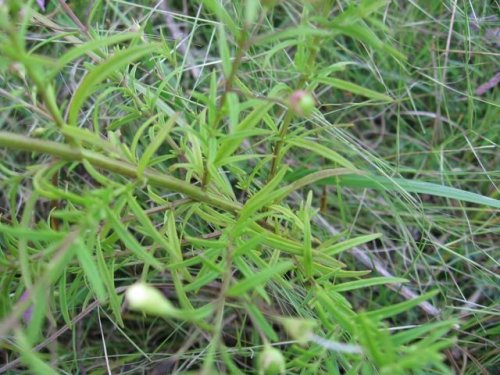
{"x": 411, "y": 186}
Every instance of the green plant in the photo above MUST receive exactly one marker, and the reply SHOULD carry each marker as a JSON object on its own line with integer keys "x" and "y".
{"x": 206, "y": 186}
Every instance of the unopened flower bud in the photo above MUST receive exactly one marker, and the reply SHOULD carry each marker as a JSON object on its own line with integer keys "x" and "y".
{"x": 149, "y": 300}
{"x": 271, "y": 361}
{"x": 299, "y": 329}
{"x": 302, "y": 103}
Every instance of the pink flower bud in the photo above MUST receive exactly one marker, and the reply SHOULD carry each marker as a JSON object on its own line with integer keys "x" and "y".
{"x": 302, "y": 103}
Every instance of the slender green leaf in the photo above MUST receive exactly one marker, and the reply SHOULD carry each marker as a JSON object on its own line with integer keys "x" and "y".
{"x": 308, "y": 256}
{"x": 292, "y": 34}
{"x": 350, "y": 243}
{"x": 91, "y": 46}
{"x": 155, "y": 144}
{"x": 32, "y": 234}
{"x": 99, "y": 73}
{"x": 412, "y": 186}
{"x": 309, "y": 180}
{"x": 257, "y": 315}
{"x": 262, "y": 197}
{"x": 230, "y": 145}
{"x": 338, "y": 311}
{"x": 218, "y": 8}
{"x": 355, "y": 89}
{"x": 391, "y": 310}
{"x": 323, "y": 151}
{"x": 364, "y": 283}
{"x": 258, "y": 279}
{"x": 405, "y": 337}
{"x": 131, "y": 243}
{"x": 90, "y": 269}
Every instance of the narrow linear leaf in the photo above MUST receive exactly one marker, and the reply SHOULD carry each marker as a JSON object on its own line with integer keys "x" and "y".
{"x": 381, "y": 183}
{"x": 63, "y": 300}
{"x": 155, "y": 144}
{"x": 90, "y": 46}
{"x": 308, "y": 255}
{"x": 90, "y": 269}
{"x": 389, "y": 311}
{"x": 309, "y": 180}
{"x": 262, "y": 197}
{"x": 131, "y": 243}
{"x": 248, "y": 272}
{"x": 411, "y": 186}
{"x": 355, "y": 89}
{"x": 360, "y": 31}
{"x": 262, "y": 322}
{"x": 108, "y": 67}
{"x": 323, "y": 151}
{"x": 292, "y": 34}
{"x": 351, "y": 285}
{"x": 258, "y": 279}
{"x": 370, "y": 338}
{"x": 230, "y": 145}
{"x": 201, "y": 281}
{"x": 107, "y": 275}
{"x": 224, "y": 51}
{"x": 340, "y": 313}
{"x": 405, "y": 337}
{"x": 32, "y": 234}
{"x": 349, "y": 244}
{"x": 216, "y": 7}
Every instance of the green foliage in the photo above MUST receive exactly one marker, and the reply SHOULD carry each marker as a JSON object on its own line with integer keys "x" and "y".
{"x": 182, "y": 174}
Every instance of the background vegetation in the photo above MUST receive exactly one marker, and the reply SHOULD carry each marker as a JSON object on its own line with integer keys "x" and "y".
{"x": 170, "y": 143}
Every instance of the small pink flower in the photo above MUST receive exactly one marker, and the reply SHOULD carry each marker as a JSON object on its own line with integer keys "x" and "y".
{"x": 41, "y": 4}
{"x": 29, "y": 311}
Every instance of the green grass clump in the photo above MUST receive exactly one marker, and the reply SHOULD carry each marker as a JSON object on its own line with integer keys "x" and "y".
{"x": 303, "y": 187}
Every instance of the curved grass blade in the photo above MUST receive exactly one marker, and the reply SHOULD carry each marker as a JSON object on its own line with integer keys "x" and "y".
{"x": 411, "y": 186}
{"x": 108, "y": 67}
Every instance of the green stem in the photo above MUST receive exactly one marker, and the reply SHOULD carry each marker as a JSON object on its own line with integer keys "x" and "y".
{"x": 228, "y": 85}
{"x": 216, "y": 341}
{"x": 279, "y": 145}
{"x": 65, "y": 152}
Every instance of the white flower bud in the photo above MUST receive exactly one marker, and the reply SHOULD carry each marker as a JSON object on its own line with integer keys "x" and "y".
{"x": 299, "y": 329}
{"x": 271, "y": 362}
{"x": 149, "y": 300}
